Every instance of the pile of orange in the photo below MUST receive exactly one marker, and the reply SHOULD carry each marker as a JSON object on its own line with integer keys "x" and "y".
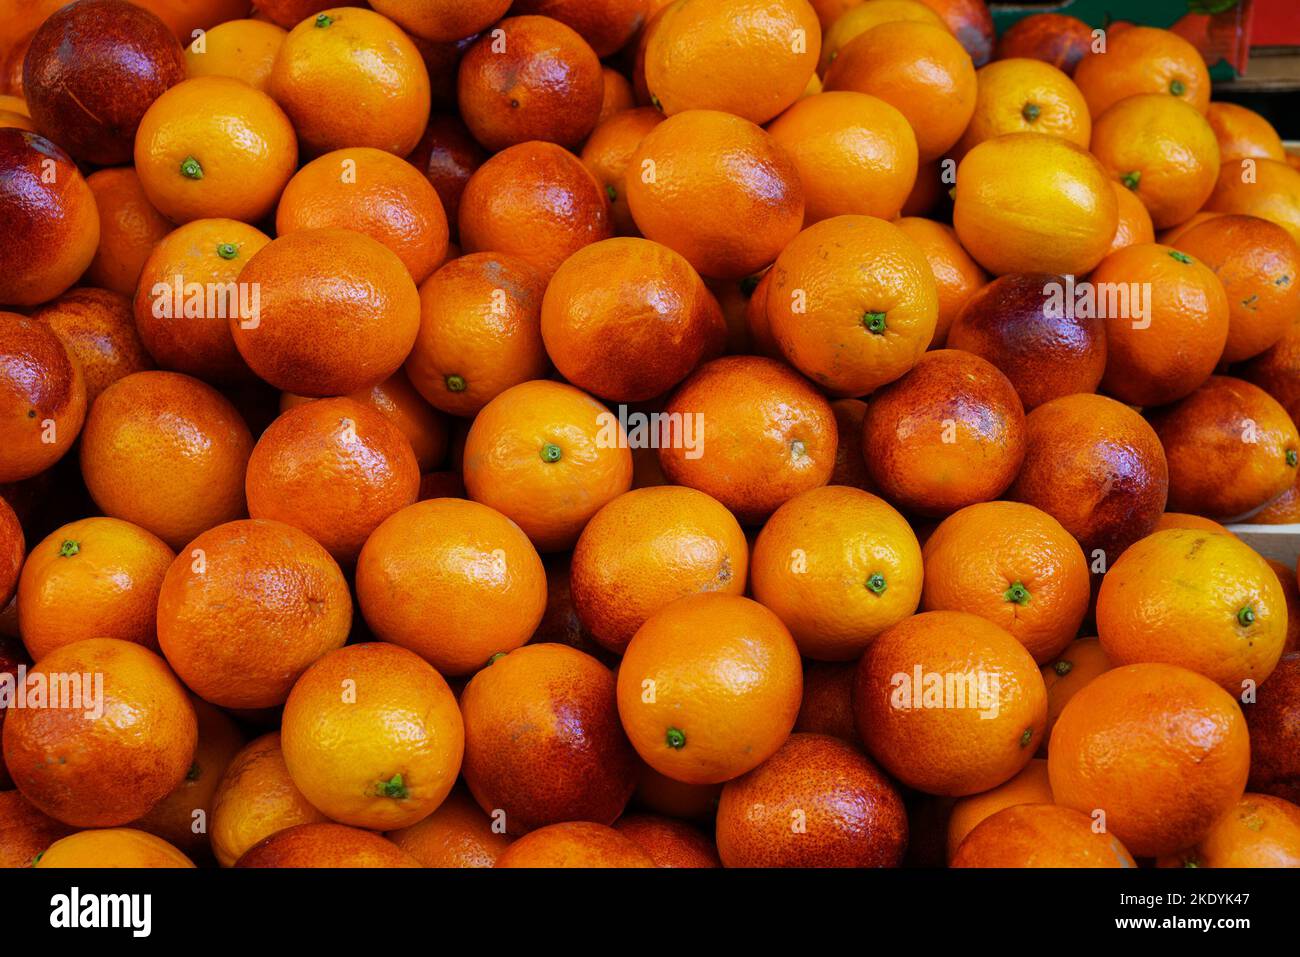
{"x": 745, "y": 433}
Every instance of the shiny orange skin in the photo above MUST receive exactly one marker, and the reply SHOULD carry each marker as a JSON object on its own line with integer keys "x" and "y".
{"x": 1096, "y": 467}
{"x": 1030, "y": 786}
{"x": 1174, "y": 233}
{"x": 186, "y": 332}
{"x": 1187, "y": 520}
{"x": 255, "y": 799}
{"x": 1231, "y": 448}
{"x": 543, "y": 743}
{"x": 1258, "y": 263}
{"x": 93, "y": 578}
{"x": 97, "y": 329}
{"x": 851, "y": 329}
{"x": 949, "y": 749}
{"x": 1283, "y": 510}
{"x": 607, "y": 25}
{"x": 1025, "y": 96}
{"x": 1081, "y": 661}
{"x": 457, "y": 834}
{"x": 287, "y": 596}
{"x": 705, "y": 717}
{"x": 480, "y": 331}
{"x": 949, "y": 433}
{"x": 215, "y": 147}
{"x": 626, "y": 319}
{"x": 1163, "y": 150}
{"x": 113, "y": 847}
{"x": 128, "y": 228}
{"x": 373, "y": 192}
{"x": 669, "y": 843}
{"x": 350, "y": 77}
{"x": 101, "y": 767}
{"x": 48, "y": 216}
{"x": 608, "y": 152}
{"x": 454, "y": 581}
{"x": 768, "y": 433}
{"x": 338, "y": 312}
{"x": 536, "y": 454}
{"x": 816, "y": 802}
{"x": 13, "y": 551}
{"x": 1053, "y": 38}
{"x": 334, "y": 468}
{"x": 1268, "y": 189}
{"x": 1261, "y": 831}
{"x": 531, "y": 78}
{"x": 581, "y": 844}
{"x": 536, "y": 201}
{"x": 617, "y": 95}
{"x": 1166, "y": 354}
{"x": 957, "y": 277}
{"x": 705, "y": 54}
{"x": 827, "y": 706}
{"x": 447, "y": 155}
{"x": 384, "y": 756}
{"x": 862, "y": 17}
{"x": 167, "y": 453}
{"x": 1274, "y": 722}
{"x": 1040, "y": 835}
{"x": 920, "y": 69}
{"x": 717, "y": 189}
{"x": 1141, "y": 60}
{"x": 326, "y": 844}
{"x": 1124, "y": 745}
{"x": 856, "y": 154}
{"x": 441, "y": 21}
{"x": 25, "y": 832}
{"x": 1242, "y": 132}
{"x": 647, "y": 548}
{"x": 1135, "y": 224}
{"x": 1277, "y": 371}
{"x": 241, "y": 49}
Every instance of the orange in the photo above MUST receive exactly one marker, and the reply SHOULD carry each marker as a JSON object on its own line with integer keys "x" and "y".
{"x": 1173, "y": 234}
{"x": 1081, "y": 661}
{"x": 240, "y": 49}
{"x": 607, "y": 154}
{"x": 663, "y": 795}
{"x": 214, "y": 147}
{"x": 247, "y": 608}
{"x": 817, "y": 802}
{"x": 648, "y": 547}
{"x": 850, "y": 465}
{"x": 957, "y": 277}
{"x": 1258, "y": 263}
{"x": 669, "y": 843}
{"x": 1040, "y": 835}
{"x": 255, "y": 799}
{"x": 617, "y": 95}
{"x": 838, "y": 566}
{"x": 1274, "y": 732}
{"x": 1163, "y": 150}
{"x": 847, "y": 328}
{"x": 1277, "y": 371}
{"x": 1186, "y": 520}
{"x": 970, "y": 22}
{"x": 372, "y": 192}
{"x": 717, "y": 189}
{"x": 14, "y": 119}
{"x": 183, "y": 17}
{"x": 949, "y": 703}
{"x": 709, "y": 688}
{"x": 48, "y": 217}
{"x": 1020, "y": 95}
{"x": 454, "y": 581}
{"x": 1205, "y": 601}
{"x": 1259, "y": 187}
{"x": 531, "y": 78}
{"x": 1242, "y": 132}
{"x": 480, "y": 331}
{"x": 1143, "y": 60}
{"x": 113, "y": 746}
{"x": 1261, "y": 831}
{"x": 93, "y": 578}
{"x": 706, "y": 54}
{"x": 920, "y": 69}
{"x": 335, "y": 469}
{"x": 13, "y": 551}
{"x": 547, "y": 456}
{"x": 337, "y": 312}
{"x": 25, "y": 833}
{"x": 447, "y": 156}
{"x": 442, "y": 21}
{"x": 457, "y": 834}
{"x": 97, "y": 329}
{"x": 42, "y": 397}
{"x": 385, "y": 752}
{"x": 536, "y": 201}
{"x": 187, "y": 293}
{"x": 750, "y": 432}
{"x": 626, "y": 319}
{"x": 350, "y": 77}
{"x": 574, "y": 844}
{"x": 1135, "y": 224}
{"x": 1058, "y": 214}
{"x": 326, "y": 844}
{"x": 112, "y": 847}
{"x": 949, "y": 433}
{"x": 1053, "y": 38}
{"x": 863, "y": 16}
{"x": 1123, "y": 747}
{"x": 1172, "y": 333}
{"x": 827, "y": 705}
{"x": 855, "y": 154}
{"x": 1030, "y": 786}
{"x": 128, "y": 228}
{"x": 167, "y": 453}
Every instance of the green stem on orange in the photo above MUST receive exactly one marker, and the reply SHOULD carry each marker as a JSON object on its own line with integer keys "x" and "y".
{"x": 874, "y": 321}
{"x": 1246, "y": 616}
{"x": 455, "y": 383}
{"x": 69, "y": 548}
{"x": 191, "y": 168}
{"x": 1017, "y": 593}
{"x": 551, "y": 452}
{"x": 876, "y": 584}
{"x": 676, "y": 739}
{"x": 394, "y": 788}
{"x": 1031, "y": 112}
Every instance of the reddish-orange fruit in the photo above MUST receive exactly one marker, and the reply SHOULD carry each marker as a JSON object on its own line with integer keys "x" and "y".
{"x": 116, "y": 749}
{"x": 627, "y": 319}
{"x": 608, "y": 153}
{"x": 457, "y": 834}
{"x": 112, "y": 847}
{"x": 669, "y": 843}
{"x": 957, "y": 277}
{"x": 13, "y": 549}
{"x": 1135, "y": 224}
{"x": 437, "y": 19}
{"x": 1080, "y": 662}
{"x": 1277, "y": 371}
{"x": 827, "y": 706}
{"x": 1143, "y": 60}
{"x": 287, "y": 595}
{"x": 717, "y": 189}
{"x": 850, "y": 465}
{"x": 1274, "y": 722}
{"x": 128, "y": 228}
{"x": 1261, "y": 831}
{"x": 12, "y": 653}
{"x": 1242, "y": 132}
{"x": 25, "y": 833}
{"x": 1122, "y": 747}
{"x": 1265, "y": 188}
{"x": 1040, "y": 835}
{"x": 326, "y": 844}
{"x": 1051, "y": 37}
{"x": 949, "y": 703}
{"x": 1186, "y": 520}
{"x": 817, "y": 802}
{"x": 1030, "y": 786}
{"x": 751, "y": 433}
{"x": 617, "y": 95}
{"x": 536, "y": 201}
{"x": 543, "y": 742}
{"x": 447, "y": 155}
{"x": 574, "y": 844}
{"x": 42, "y": 397}
{"x": 96, "y": 327}
{"x": 607, "y": 25}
